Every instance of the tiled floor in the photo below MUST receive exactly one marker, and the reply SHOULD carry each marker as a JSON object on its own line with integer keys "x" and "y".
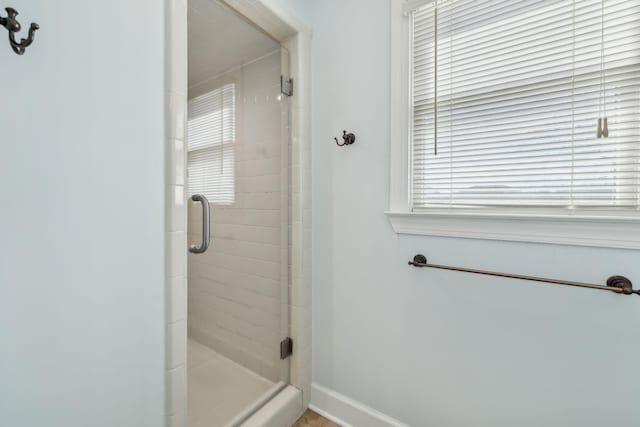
{"x": 311, "y": 419}
{"x": 218, "y": 388}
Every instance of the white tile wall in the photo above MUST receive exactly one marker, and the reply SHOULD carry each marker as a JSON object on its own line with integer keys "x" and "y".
{"x": 300, "y": 221}
{"x": 235, "y": 288}
{"x": 176, "y": 68}
{"x": 176, "y": 162}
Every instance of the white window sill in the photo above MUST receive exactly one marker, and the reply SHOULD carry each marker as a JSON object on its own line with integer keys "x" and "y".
{"x": 612, "y": 231}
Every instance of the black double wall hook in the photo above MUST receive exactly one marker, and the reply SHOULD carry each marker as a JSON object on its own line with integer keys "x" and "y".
{"x": 13, "y": 26}
{"x": 347, "y": 139}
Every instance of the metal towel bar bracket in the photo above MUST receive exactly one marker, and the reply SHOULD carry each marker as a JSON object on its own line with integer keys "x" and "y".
{"x": 617, "y": 284}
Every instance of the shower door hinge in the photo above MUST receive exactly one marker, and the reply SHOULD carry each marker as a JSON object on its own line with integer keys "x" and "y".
{"x": 286, "y": 86}
{"x": 286, "y": 348}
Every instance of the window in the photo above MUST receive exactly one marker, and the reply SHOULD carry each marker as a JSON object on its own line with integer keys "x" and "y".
{"x": 211, "y": 136}
{"x": 528, "y": 108}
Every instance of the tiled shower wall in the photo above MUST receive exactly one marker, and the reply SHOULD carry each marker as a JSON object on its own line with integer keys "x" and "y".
{"x": 236, "y": 288}
{"x": 299, "y": 47}
{"x": 175, "y": 222}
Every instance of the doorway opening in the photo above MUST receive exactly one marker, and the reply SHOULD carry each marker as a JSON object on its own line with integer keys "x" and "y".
{"x": 239, "y": 353}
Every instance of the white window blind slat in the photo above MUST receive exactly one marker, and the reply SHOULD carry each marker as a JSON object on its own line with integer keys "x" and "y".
{"x": 510, "y": 93}
{"x": 211, "y": 145}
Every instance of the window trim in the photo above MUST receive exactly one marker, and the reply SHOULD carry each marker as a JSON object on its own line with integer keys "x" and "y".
{"x": 600, "y": 228}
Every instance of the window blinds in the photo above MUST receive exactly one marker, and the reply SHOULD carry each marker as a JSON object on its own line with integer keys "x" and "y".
{"x": 211, "y": 137}
{"x": 506, "y": 97}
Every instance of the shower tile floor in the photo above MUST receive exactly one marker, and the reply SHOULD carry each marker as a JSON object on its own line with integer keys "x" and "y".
{"x": 218, "y": 388}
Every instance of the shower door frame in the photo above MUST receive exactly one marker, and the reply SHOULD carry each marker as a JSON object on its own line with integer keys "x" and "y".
{"x": 296, "y": 38}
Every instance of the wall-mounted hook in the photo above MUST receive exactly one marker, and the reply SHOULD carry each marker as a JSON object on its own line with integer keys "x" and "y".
{"x": 13, "y": 26}
{"x": 347, "y": 139}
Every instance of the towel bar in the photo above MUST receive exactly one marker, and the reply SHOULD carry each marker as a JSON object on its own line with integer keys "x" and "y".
{"x": 617, "y": 284}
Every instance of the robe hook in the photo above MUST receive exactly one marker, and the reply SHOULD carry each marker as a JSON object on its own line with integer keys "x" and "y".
{"x": 13, "y": 26}
{"x": 347, "y": 139}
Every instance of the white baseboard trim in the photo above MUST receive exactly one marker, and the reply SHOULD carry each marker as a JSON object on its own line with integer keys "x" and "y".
{"x": 347, "y": 412}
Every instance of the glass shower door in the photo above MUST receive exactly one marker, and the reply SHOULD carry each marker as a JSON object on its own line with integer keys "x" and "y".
{"x": 238, "y": 289}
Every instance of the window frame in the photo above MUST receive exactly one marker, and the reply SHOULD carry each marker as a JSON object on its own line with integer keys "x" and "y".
{"x": 582, "y": 227}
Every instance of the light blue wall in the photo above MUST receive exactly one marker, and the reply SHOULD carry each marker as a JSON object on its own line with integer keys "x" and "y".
{"x": 435, "y": 348}
{"x": 82, "y": 139}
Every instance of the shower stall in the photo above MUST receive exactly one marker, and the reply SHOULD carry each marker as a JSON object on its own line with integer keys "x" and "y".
{"x": 238, "y": 174}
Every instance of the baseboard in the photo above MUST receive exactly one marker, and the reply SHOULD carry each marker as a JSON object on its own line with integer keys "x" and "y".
{"x": 347, "y": 412}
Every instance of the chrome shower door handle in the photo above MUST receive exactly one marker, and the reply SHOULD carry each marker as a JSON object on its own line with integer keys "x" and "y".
{"x": 205, "y": 225}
